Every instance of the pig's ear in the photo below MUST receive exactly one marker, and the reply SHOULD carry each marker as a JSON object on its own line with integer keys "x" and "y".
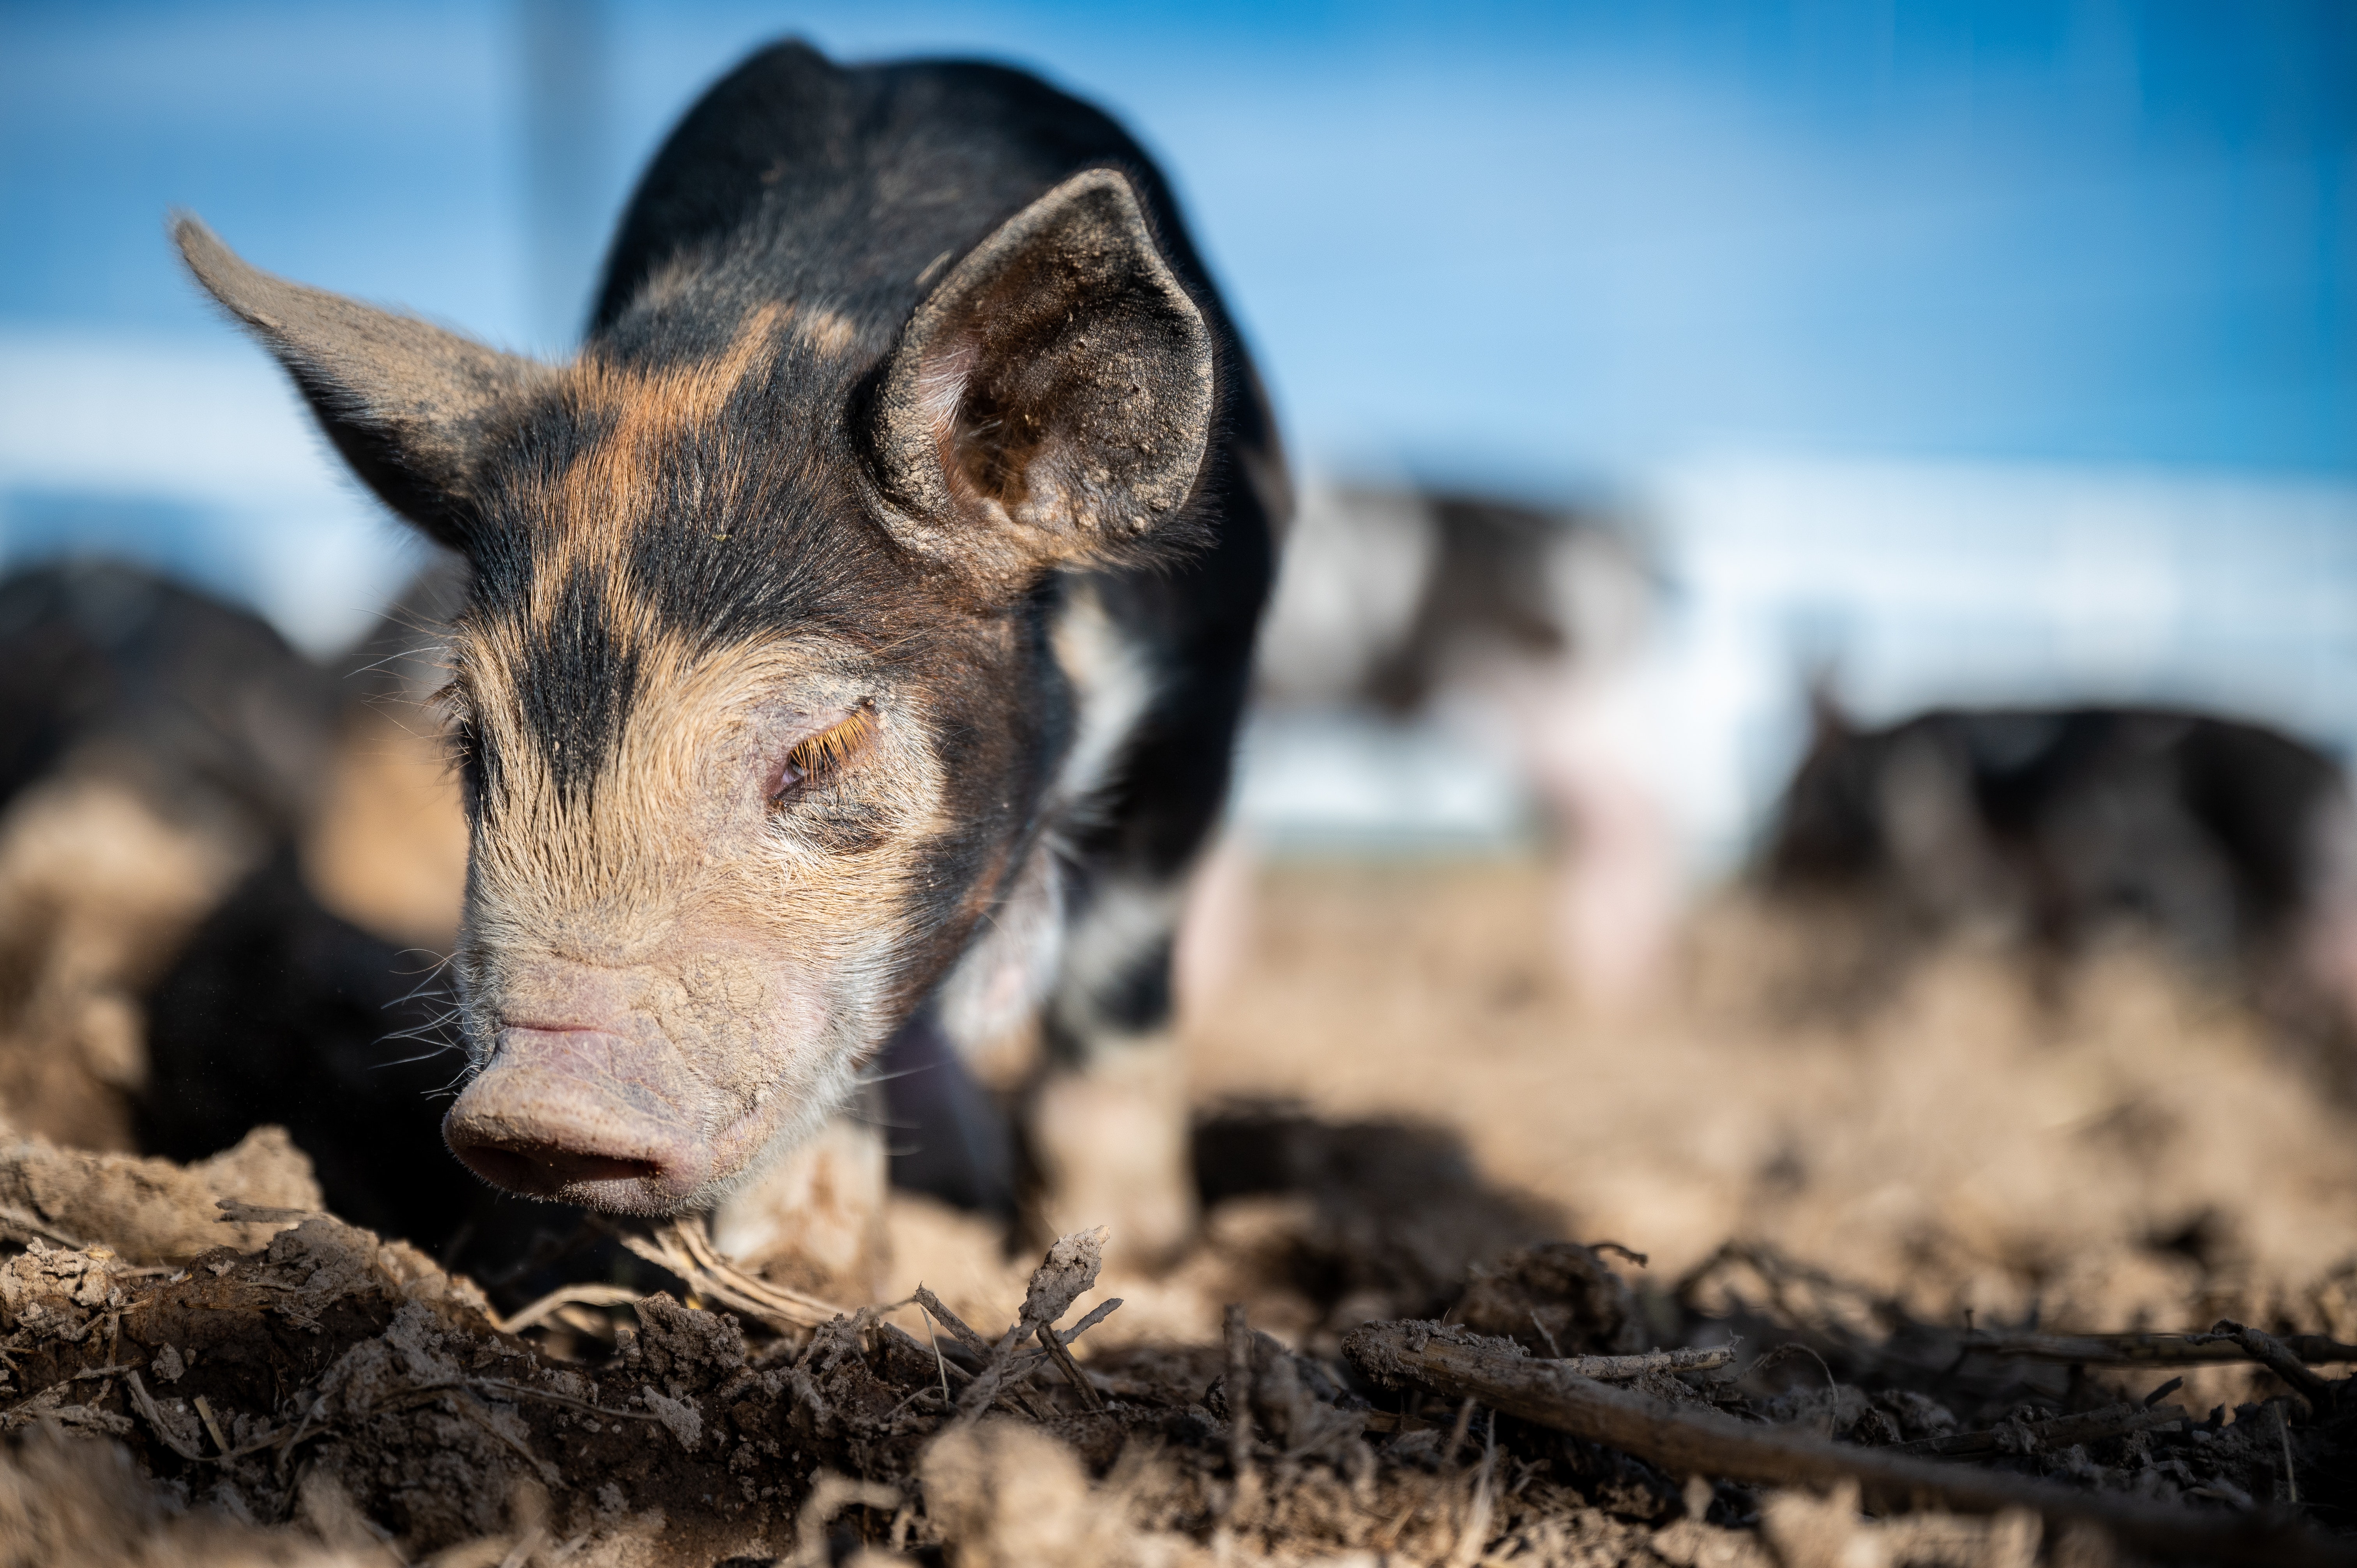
{"x": 1050, "y": 400}
{"x": 408, "y": 404}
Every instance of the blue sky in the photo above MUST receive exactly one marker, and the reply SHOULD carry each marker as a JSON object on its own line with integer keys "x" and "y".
{"x": 1548, "y": 246}
{"x": 1979, "y": 352}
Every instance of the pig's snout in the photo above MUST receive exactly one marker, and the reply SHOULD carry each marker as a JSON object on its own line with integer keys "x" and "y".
{"x": 582, "y": 1116}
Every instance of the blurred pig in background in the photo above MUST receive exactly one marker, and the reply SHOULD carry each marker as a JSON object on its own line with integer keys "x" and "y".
{"x": 2051, "y": 831}
{"x": 157, "y": 748}
{"x": 228, "y": 876}
{"x": 1439, "y": 664}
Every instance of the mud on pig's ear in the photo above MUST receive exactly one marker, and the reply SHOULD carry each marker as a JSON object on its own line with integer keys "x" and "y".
{"x": 409, "y": 405}
{"x": 1050, "y": 401}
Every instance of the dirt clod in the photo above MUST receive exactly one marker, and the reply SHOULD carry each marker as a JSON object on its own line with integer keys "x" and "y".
{"x": 148, "y": 1210}
{"x": 1554, "y": 1299}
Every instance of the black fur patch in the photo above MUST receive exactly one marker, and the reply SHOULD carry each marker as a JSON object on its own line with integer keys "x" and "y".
{"x": 1137, "y": 1001}
{"x": 578, "y": 682}
{"x": 766, "y": 562}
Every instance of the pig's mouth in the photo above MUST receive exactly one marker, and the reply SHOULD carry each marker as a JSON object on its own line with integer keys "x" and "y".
{"x": 588, "y": 1116}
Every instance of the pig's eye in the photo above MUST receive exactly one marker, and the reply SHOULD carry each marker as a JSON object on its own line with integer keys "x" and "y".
{"x": 817, "y": 761}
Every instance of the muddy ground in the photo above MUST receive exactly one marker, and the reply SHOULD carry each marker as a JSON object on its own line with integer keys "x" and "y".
{"x": 1845, "y": 1202}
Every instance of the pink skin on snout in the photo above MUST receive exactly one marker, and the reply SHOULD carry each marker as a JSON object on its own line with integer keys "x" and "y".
{"x": 588, "y": 1100}
{"x": 584, "y": 1115}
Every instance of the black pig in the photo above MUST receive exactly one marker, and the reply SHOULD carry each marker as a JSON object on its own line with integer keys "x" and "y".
{"x": 156, "y": 745}
{"x": 2234, "y": 842}
{"x": 861, "y": 620}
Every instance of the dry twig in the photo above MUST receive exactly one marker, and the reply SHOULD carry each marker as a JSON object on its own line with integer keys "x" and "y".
{"x": 2148, "y": 1350}
{"x": 567, "y": 1295}
{"x": 941, "y": 1362}
{"x": 1456, "y": 1364}
{"x": 959, "y": 1329}
{"x": 145, "y": 1404}
{"x": 1068, "y": 1272}
{"x": 237, "y": 1211}
{"x": 1474, "y": 1533}
{"x": 1054, "y": 1346}
{"x": 1616, "y": 1369}
{"x": 1238, "y": 1387}
{"x": 2283, "y": 1361}
{"x": 684, "y": 1247}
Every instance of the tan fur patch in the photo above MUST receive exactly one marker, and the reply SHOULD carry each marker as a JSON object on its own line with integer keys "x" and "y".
{"x": 604, "y": 493}
{"x": 666, "y": 797}
{"x": 669, "y": 282}
{"x": 830, "y": 332}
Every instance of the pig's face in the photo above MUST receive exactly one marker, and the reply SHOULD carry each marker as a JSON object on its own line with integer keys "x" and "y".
{"x": 755, "y": 699}
{"x": 680, "y": 963}
{"x": 709, "y": 880}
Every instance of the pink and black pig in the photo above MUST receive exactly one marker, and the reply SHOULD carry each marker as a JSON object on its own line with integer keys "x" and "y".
{"x": 857, "y": 638}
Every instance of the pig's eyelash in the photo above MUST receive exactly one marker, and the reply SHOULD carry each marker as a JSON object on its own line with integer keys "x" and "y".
{"x": 817, "y": 761}
{"x": 462, "y": 736}
{"x": 452, "y": 703}
{"x": 465, "y": 751}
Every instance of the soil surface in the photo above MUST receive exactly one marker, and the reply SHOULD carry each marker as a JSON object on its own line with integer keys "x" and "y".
{"x": 1868, "y": 1225}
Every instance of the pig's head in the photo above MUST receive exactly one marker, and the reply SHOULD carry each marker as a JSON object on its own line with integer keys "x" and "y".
{"x": 756, "y": 701}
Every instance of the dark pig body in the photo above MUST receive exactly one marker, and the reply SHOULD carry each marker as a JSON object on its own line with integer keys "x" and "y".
{"x": 2057, "y": 822}
{"x": 156, "y": 745}
{"x": 2234, "y": 842}
{"x": 857, "y": 633}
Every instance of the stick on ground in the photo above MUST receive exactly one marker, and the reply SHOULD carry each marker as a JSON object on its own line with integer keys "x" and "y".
{"x": 1613, "y": 1369}
{"x": 1459, "y": 1365}
{"x": 2285, "y": 1363}
{"x": 1066, "y": 1273}
{"x": 2148, "y": 1350}
{"x": 1239, "y": 1388}
{"x": 1070, "y": 1368}
{"x": 683, "y": 1246}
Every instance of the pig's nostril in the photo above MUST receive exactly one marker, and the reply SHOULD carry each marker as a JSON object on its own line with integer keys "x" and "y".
{"x": 548, "y": 1169}
{"x": 601, "y": 1167}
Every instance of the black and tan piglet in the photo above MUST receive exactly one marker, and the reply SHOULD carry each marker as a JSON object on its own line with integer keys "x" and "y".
{"x": 858, "y": 630}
